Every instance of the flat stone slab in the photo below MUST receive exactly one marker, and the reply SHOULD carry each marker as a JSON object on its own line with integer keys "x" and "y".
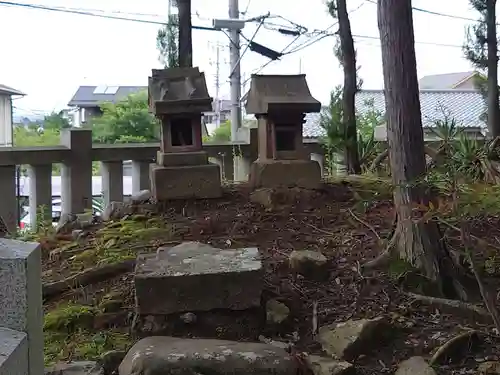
{"x": 13, "y": 352}
{"x": 197, "y": 277}
{"x": 173, "y": 356}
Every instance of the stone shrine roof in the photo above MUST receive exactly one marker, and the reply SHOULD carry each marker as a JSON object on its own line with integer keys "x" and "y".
{"x": 270, "y": 93}
{"x": 178, "y": 90}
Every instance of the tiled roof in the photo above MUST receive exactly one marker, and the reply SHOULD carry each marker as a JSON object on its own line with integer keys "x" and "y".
{"x": 443, "y": 81}
{"x": 465, "y": 106}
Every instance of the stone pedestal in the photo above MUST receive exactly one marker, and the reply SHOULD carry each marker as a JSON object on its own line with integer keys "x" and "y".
{"x": 181, "y": 175}
{"x": 197, "y": 288}
{"x": 304, "y": 174}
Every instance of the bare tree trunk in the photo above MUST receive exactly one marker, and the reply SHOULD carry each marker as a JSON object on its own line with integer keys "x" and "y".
{"x": 348, "y": 59}
{"x": 491, "y": 36}
{"x": 417, "y": 241}
{"x": 185, "y": 34}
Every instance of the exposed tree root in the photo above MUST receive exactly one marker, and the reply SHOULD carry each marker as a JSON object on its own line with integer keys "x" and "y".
{"x": 87, "y": 277}
{"x": 454, "y": 345}
{"x": 454, "y": 306}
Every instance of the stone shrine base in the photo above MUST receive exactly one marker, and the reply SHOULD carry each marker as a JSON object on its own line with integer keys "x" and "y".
{"x": 304, "y": 174}
{"x": 186, "y": 181}
{"x": 197, "y": 289}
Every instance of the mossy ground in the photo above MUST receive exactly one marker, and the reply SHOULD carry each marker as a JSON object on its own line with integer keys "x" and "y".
{"x": 332, "y": 221}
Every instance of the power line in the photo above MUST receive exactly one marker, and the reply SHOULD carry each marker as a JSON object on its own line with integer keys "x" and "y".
{"x": 86, "y": 13}
{"x": 437, "y": 13}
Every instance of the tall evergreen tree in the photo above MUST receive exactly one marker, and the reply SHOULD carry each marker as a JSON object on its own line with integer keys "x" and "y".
{"x": 166, "y": 42}
{"x": 481, "y": 48}
{"x": 347, "y": 57}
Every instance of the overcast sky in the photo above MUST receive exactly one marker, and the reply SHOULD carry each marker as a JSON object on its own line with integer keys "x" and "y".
{"x": 49, "y": 54}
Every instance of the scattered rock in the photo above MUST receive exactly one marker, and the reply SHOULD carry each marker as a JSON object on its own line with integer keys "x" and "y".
{"x": 263, "y": 197}
{"x": 310, "y": 264}
{"x": 489, "y": 368}
{"x": 166, "y": 355}
{"x": 327, "y": 366}
{"x": 188, "y": 318}
{"x": 66, "y": 224}
{"x": 75, "y": 368}
{"x": 77, "y": 234}
{"x": 276, "y": 312}
{"x": 352, "y": 338}
{"x": 110, "y": 361}
{"x": 140, "y": 196}
{"x": 116, "y": 210}
{"x": 415, "y": 366}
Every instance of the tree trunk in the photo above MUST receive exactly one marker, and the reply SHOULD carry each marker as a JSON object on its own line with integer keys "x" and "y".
{"x": 185, "y": 34}
{"x": 491, "y": 37}
{"x": 417, "y": 241}
{"x": 349, "y": 91}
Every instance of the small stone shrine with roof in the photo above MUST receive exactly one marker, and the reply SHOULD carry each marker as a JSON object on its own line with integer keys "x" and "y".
{"x": 280, "y": 102}
{"x": 178, "y": 97}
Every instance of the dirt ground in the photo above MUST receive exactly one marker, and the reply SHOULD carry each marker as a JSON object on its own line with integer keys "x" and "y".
{"x": 348, "y": 225}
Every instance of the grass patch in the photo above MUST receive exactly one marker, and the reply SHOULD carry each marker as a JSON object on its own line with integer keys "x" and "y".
{"x": 82, "y": 345}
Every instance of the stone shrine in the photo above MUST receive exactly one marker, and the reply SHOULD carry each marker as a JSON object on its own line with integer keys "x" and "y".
{"x": 178, "y": 97}
{"x": 279, "y": 102}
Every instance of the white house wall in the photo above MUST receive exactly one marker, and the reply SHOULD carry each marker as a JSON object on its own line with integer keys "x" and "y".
{"x": 5, "y": 121}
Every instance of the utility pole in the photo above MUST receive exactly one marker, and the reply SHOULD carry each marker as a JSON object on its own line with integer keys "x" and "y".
{"x": 185, "y": 34}
{"x": 217, "y": 85}
{"x": 235, "y": 78}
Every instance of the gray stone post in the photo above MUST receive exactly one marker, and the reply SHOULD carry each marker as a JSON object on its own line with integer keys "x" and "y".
{"x": 241, "y": 168}
{"x": 76, "y": 173}
{"x": 40, "y": 192}
{"x": 112, "y": 181}
{"x": 21, "y": 298}
{"x": 140, "y": 175}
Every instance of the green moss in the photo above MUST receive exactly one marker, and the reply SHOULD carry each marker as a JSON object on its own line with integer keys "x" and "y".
{"x": 67, "y": 317}
{"x": 82, "y": 345}
{"x": 87, "y": 256}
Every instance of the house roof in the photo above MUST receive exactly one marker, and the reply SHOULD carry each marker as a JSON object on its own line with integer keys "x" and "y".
{"x": 85, "y": 96}
{"x": 92, "y": 96}
{"x": 465, "y": 106}
{"x": 6, "y": 90}
{"x": 444, "y": 81}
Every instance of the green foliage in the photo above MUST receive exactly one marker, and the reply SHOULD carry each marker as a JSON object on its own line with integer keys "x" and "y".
{"x": 222, "y": 133}
{"x": 475, "y": 48}
{"x": 56, "y": 121}
{"x": 25, "y": 137}
{"x": 470, "y": 159}
{"x": 166, "y": 42}
{"x": 334, "y": 139}
{"x": 126, "y": 121}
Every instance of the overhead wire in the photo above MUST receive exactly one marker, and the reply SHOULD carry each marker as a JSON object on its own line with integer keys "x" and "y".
{"x": 90, "y": 14}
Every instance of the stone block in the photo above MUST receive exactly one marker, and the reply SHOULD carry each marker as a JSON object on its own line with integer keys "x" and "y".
{"x": 198, "y": 277}
{"x": 171, "y": 355}
{"x": 14, "y": 353}
{"x": 177, "y": 159}
{"x": 21, "y": 295}
{"x": 184, "y": 182}
{"x": 305, "y": 174}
